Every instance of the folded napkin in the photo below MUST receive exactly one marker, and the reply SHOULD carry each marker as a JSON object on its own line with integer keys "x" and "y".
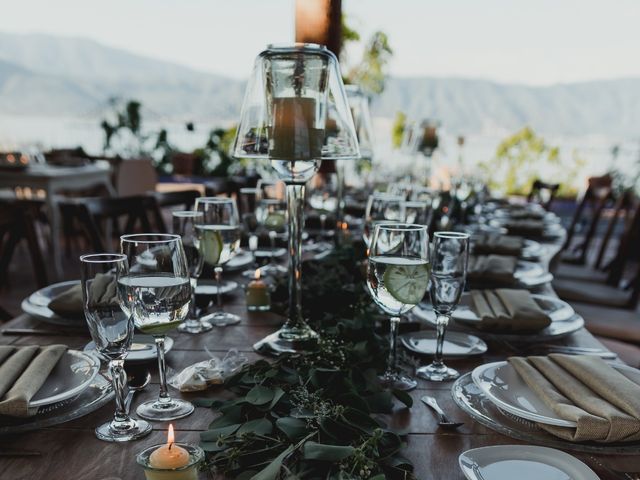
{"x": 508, "y": 310}
{"x": 487, "y": 243}
{"x": 23, "y": 370}
{"x": 604, "y": 403}
{"x": 492, "y": 268}
{"x": 102, "y": 291}
{"x": 522, "y": 213}
{"x": 526, "y": 228}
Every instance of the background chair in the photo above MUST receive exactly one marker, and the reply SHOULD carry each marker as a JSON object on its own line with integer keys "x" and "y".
{"x": 543, "y": 193}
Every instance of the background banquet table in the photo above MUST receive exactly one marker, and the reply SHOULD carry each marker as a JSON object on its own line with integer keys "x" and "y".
{"x": 54, "y": 179}
{"x": 71, "y": 450}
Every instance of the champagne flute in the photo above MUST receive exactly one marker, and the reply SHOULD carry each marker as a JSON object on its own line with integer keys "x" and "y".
{"x": 185, "y": 223}
{"x": 381, "y": 207}
{"x": 448, "y": 276}
{"x": 397, "y": 279}
{"x": 156, "y": 290}
{"x": 219, "y": 240}
{"x": 112, "y": 331}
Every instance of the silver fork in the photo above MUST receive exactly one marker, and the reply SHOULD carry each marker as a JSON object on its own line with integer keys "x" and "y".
{"x": 443, "y": 420}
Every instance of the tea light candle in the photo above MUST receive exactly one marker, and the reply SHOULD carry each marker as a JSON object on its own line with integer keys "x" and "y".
{"x": 293, "y": 135}
{"x": 169, "y": 456}
{"x": 258, "y": 298}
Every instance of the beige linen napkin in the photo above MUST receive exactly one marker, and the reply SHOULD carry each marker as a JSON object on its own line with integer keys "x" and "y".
{"x": 508, "y": 310}
{"x": 604, "y": 403}
{"x": 492, "y": 268}
{"x": 488, "y": 243}
{"x": 531, "y": 228}
{"x": 70, "y": 303}
{"x": 22, "y": 372}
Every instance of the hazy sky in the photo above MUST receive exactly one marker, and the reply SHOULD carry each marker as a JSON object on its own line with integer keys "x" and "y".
{"x": 524, "y": 41}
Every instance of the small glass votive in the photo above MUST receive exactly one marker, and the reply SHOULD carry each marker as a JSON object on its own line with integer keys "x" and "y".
{"x": 186, "y": 472}
{"x": 258, "y": 297}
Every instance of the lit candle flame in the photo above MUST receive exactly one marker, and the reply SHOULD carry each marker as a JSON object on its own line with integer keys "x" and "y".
{"x": 256, "y": 275}
{"x": 171, "y": 439}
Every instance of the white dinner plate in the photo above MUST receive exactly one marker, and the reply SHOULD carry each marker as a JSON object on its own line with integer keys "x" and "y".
{"x": 456, "y": 344}
{"x": 241, "y": 260}
{"x": 72, "y": 374}
{"x": 208, "y": 287}
{"x": 522, "y": 462}
{"x": 556, "y": 309}
{"x": 268, "y": 253}
{"x": 500, "y": 382}
{"x": 143, "y": 348}
{"x": 37, "y": 305}
{"x": 531, "y": 249}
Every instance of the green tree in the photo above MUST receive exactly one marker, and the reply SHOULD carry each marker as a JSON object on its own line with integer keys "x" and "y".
{"x": 397, "y": 129}
{"x": 521, "y": 158}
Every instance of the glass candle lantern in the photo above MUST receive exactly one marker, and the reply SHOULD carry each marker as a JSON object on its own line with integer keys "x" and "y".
{"x": 295, "y": 114}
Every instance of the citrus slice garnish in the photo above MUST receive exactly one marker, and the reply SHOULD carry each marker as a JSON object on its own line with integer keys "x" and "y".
{"x": 407, "y": 283}
{"x": 211, "y": 244}
{"x": 275, "y": 221}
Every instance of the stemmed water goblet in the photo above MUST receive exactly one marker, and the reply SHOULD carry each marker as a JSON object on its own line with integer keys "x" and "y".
{"x": 248, "y": 205}
{"x": 219, "y": 239}
{"x": 185, "y": 224}
{"x": 381, "y": 208}
{"x": 156, "y": 291}
{"x": 112, "y": 332}
{"x": 397, "y": 279}
{"x": 448, "y": 276}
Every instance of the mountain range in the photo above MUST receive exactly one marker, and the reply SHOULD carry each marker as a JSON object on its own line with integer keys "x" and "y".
{"x": 62, "y": 76}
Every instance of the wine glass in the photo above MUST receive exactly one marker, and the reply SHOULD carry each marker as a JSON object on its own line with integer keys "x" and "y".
{"x": 248, "y": 207}
{"x": 185, "y": 223}
{"x": 219, "y": 240}
{"x": 295, "y": 114}
{"x": 112, "y": 332}
{"x": 448, "y": 276}
{"x": 397, "y": 279}
{"x": 272, "y": 218}
{"x": 156, "y": 291}
{"x": 381, "y": 208}
{"x": 417, "y": 212}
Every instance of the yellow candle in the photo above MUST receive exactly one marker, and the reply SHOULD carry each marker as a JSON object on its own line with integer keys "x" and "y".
{"x": 258, "y": 298}
{"x": 293, "y": 135}
{"x": 169, "y": 456}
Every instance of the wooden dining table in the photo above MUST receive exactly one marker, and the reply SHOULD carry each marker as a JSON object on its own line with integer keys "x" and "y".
{"x": 52, "y": 180}
{"x": 71, "y": 450}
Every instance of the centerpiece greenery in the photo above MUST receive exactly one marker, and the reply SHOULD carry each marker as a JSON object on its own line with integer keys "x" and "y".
{"x": 317, "y": 415}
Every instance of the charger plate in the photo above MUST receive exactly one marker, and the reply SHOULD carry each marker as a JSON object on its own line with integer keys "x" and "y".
{"x": 468, "y": 396}
{"x": 96, "y": 395}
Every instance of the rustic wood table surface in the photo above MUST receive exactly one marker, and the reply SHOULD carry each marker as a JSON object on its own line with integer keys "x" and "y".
{"x": 71, "y": 450}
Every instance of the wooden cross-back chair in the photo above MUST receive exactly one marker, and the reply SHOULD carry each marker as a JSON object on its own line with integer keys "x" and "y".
{"x": 543, "y": 193}
{"x": 612, "y": 290}
{"x": 17, "y": 223}
{"x": 102, "y": 219}
{"x": 598, "y": 195}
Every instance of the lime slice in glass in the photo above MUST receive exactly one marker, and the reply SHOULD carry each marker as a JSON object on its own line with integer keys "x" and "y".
{"x": 407, "y": 283}
{"x": 211, "y": 244}
{"x": 275, "y": 221}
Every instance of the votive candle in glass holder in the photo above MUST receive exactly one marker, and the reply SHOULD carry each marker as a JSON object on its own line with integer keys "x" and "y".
{"x": 258, "y": 297}
{"x": 171, "y": 460}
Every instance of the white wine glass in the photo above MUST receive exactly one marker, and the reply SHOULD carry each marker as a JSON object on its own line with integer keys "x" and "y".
{"x": 156, "y": 291}
{"x": 111, "y": 329}
{"x": 381, "y": 208}
{"x": 448, "y": 276}
{"x": 397, "y": 279}
{"x": 219, "y": 240}
{"x": 185, "y": 224}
